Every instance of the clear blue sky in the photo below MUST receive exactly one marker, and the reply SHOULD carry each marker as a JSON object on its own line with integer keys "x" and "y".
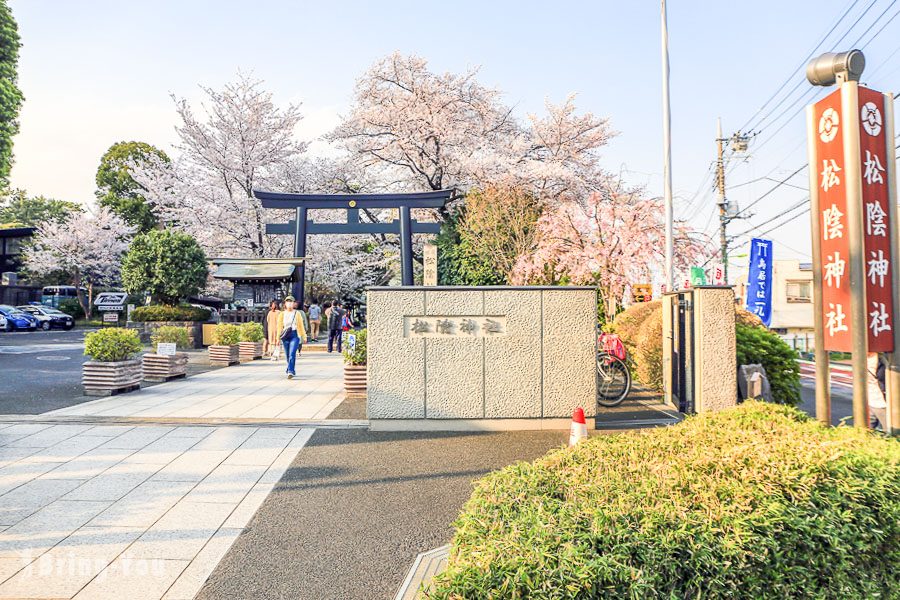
{"x": 98, "y": 71}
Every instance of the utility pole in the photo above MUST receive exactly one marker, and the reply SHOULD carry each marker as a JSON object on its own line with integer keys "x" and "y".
{"x": 667, "y": 155}
{"x": 723, "y": 203}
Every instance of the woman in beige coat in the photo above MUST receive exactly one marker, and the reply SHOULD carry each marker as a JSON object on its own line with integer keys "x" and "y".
{"x": 272, "y": 332}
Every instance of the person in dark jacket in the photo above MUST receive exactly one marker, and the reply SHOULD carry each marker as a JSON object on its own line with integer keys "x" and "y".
{"x": 335, "y": 322}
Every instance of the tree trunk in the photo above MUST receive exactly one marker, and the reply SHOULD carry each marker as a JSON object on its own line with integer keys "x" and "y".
{"x": 80, "y": 295}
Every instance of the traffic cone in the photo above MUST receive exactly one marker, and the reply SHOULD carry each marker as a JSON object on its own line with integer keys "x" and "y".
{"x": 578, "y": 430}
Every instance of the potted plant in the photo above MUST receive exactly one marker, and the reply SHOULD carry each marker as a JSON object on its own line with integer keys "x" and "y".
{"x": 224, "y": 350}
{"x": 251, "y": 341}
{"x": 113, "y": 368}
{"x": 163, "y": 365}
{"x": 355, "y": 358}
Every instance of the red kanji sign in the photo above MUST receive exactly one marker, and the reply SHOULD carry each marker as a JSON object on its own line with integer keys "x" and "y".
{"x": 833, "y": 222}
{"x": 876, "y": 149}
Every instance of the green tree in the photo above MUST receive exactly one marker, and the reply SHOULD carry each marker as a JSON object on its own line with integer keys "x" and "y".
{"x": 18, "y": 210}
{"x": 167, "y": 264}
{"x": 10, "y": 95}
{"x": 117, "y": 190}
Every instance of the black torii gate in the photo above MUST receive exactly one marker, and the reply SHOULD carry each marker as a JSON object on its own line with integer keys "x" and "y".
{"x": 300, "y": 226}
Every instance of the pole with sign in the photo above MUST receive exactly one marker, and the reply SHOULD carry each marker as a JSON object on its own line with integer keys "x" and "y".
{"x": 759, "y": 280}
{"x": 850, "y": 149}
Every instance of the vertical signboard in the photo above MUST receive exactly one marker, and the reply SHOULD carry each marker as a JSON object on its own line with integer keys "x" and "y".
{"x": 876, "y": 149}
{"x": 718, "y": 274}
{"x": 759, "y": 280}
{"x": 429, "y": 264}
{"x": 832, "y": 217}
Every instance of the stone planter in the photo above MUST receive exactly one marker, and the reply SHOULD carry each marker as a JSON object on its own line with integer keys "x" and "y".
{"x": 250, "y": 351}
{"x": 109, "y": 378}
{"x": 194, "y": 329}
{"x": 224, "y": 356}
{"x": 162, "y": 367}
{"x": 355, "y": 381}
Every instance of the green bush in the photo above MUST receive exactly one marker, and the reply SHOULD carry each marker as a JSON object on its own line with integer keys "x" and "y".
{"x": 171, "y": 334}
{"x": 226, "y": 334}
{"x": 754, "y": 502}
{"x": 166, "y": 312}
{"x": 359, "y": 355}
{"x": 112, "y": 344}
{"x": 167, "y": 264}
{"x": 757, "y": 345}
{"x": 72, "y": 307}
{"x": 251, "y": 332}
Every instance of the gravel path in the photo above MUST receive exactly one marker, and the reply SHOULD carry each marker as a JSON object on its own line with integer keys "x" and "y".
{"x": 355, "y": 508}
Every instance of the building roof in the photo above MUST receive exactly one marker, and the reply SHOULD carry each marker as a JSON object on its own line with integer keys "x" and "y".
{"x": 17, "y": 232}
{"x": 254, "y": 271}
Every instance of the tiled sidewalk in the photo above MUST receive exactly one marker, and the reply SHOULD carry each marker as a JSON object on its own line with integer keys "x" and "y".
{"x": 256, "y": 390}
{"x": 129, "y": 512}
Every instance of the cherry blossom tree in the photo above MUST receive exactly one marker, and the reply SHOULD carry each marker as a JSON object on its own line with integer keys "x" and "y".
{"x": 423, "y": 130}
{"x": 88, "y": 246}
{"x": 243, "y": 141}
{"x": 609, "y": 239}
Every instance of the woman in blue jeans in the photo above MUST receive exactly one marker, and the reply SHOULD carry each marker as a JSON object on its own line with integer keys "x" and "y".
{"x": 290, "y": 324}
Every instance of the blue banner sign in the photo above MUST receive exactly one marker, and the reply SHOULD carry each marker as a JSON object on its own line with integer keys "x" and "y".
{"x": 759, "y": 280}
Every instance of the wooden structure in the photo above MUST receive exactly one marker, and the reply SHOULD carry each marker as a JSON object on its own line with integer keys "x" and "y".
{"x": 164, "y": 367}
{"x": 224, "y": 356}
{"x": 110, "y": 378}
{"x": 405, "y": 226}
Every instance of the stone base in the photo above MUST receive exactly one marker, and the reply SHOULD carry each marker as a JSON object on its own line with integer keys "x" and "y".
{"x": 562, "y": 424}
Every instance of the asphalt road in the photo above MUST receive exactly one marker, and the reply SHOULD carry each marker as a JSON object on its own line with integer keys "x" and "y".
{"x": 40, "y": 370}
{"x": 841, "y": 401}
{"x": 355, "y": 508}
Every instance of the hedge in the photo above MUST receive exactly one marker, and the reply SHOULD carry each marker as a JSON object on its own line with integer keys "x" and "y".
{"x": 171, "y": 334}
{"x": 226, "y": 334}
{"x": 755, "y": 502}
{"x": 251, "y": 332}
{"x": 640, "y": 328}
{"x": 112, "y": 344}
{"x": 166, "y": 312}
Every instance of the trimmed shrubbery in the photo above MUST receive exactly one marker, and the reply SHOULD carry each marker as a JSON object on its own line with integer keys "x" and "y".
{"x": 112, "y": 344}
{"x": 755, "y": 502}
{"x": 171, "y": 334}
{"x": 226, "y": 334}
{"x": 358, "y": 355}
{"x": 640, "y": 328}
{"x": 166, "y": 312}
{"x": 251, "y": 332}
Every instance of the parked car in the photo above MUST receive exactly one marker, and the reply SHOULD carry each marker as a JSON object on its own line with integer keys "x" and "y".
{"x": 48, "y": 317}
{"x": 3, "y": 323}
{"x": 16, "y": 319}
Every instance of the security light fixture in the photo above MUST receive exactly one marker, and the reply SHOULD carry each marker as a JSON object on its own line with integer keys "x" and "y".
{"x": 836, "y": 67}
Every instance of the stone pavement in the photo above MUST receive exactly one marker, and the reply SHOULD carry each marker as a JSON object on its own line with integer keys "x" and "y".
{"x": 92, "y": 509}
{"x": 255, "y": 390}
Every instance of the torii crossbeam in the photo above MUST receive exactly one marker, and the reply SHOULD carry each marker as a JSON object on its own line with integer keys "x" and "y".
{"x": 300, "y": 227}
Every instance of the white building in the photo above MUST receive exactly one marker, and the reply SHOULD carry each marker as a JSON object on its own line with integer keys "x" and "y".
{"x": 792, "y": 296}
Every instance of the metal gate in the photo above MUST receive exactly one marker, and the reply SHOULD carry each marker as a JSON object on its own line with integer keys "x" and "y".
{"x": 682, "y": 372}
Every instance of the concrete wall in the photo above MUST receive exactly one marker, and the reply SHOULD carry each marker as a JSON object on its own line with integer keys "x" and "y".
{"x": 715, "y": 385}
{"x": 531, "y": 372}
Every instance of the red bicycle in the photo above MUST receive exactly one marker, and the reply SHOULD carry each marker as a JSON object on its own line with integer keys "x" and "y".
{"x": 613, "y": 376}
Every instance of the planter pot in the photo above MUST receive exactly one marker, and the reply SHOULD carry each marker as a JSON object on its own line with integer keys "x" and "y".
{"x": 109, "y": 378}
{"x": 355, "y": 381}
{"x": 223, "y": 356}
{"x": 162, "y": 367}
{"x": 250, "y": 351}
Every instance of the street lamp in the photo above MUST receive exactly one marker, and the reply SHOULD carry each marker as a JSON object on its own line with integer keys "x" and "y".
{"x": 836, "y": 67}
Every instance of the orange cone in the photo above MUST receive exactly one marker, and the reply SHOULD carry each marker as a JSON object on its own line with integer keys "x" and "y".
{"x": 578, "y": 430}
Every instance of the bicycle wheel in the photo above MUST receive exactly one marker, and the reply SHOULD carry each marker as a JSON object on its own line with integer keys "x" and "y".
{"x": 613, "y": 380}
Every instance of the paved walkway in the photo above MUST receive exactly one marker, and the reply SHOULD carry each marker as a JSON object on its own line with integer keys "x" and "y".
{"x": 146, "y": 510}
{"x": 256, "y": 390}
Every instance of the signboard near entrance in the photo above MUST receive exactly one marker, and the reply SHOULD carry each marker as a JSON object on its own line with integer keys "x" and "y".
{"x": 430, "y": 264}
{"x": 110, "y": 317}
{"x": 110, "y": 299}
{"x": 876, "y": 148}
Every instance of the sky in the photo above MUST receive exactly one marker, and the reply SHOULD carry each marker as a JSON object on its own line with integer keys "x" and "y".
{"x": 95, "y": 72}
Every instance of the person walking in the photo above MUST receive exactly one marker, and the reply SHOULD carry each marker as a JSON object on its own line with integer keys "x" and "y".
{"x": 315, "y": 318}
{"x": 335, "y": 326}
{"x": 292, "y": 334}
{"x": 270, "y": 329}
{"x": 875, "y": 392}
{"x": 305, "y": 318}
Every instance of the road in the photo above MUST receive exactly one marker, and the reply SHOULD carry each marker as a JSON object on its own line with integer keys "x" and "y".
{"x": 40, "y": 370}
{"x": 841, "y": 401}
